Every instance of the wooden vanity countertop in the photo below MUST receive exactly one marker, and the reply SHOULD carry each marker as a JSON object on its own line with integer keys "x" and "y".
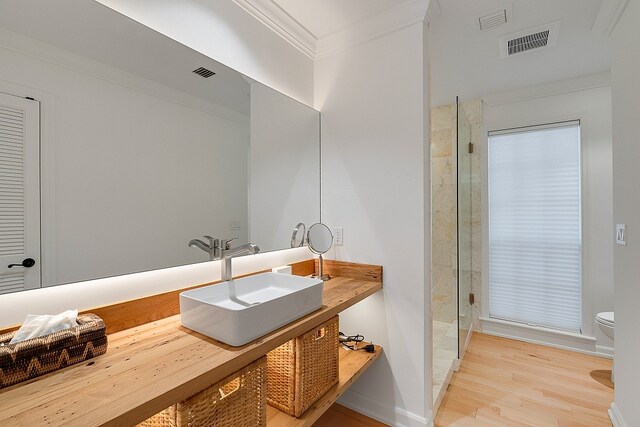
{"x": 152, "y": 366}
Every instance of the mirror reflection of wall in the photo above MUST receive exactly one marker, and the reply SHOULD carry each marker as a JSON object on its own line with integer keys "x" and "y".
{"x": 138, "y": 153}
{"x": 284, "y": 182}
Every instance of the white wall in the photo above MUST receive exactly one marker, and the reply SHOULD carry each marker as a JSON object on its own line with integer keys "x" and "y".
{"x": 125, "y": 172}
{"x": 625, "y": 82}
{"x": 225, "y": 32}
{"x": 284, "y": 180}
{"x": 375, "y": 163}
{"x": 593, "y": 108}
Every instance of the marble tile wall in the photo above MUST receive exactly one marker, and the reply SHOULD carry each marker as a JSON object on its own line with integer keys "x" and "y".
{"x": 444, "y": 219}
{"x": 443, "y": 209}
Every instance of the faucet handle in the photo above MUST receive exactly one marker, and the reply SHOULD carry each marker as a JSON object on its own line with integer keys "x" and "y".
{"x": 213, "y": 243}
{"x": 226, "y": 244}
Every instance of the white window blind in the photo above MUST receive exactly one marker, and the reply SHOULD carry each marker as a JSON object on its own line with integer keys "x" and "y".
{"x": 535, "y": 226}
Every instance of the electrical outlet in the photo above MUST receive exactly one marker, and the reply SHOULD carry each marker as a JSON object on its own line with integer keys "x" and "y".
{"x": 235, "y": 225}
{"x": 338, "y": 235}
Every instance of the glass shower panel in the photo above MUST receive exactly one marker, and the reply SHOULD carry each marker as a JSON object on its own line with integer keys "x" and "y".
{"x": 464, "y": 151}
{"x": 444, "y": 289}
{"x": 452, "y": 174}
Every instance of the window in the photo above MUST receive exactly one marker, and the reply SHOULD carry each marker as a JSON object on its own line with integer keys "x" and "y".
{"x": 535, "y": 240}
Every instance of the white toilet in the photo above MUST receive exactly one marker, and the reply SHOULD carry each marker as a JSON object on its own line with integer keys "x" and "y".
{"x": 605, "y": 323}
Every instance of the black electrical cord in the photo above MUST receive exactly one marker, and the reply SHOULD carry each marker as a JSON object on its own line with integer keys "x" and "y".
{"x": 346, "y": 339}
{"x": 351, "y": 338}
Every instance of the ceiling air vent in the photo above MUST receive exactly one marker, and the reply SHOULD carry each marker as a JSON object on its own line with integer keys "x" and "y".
{"x": 493, "y": 20}
{"x": 537, "y": 38}
{"x": 496, "y": 18}
{"x": 532, "y": 41}
{"x": 203, "y": 72}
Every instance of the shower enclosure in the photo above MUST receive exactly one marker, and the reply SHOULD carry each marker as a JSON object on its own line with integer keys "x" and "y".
{"x": 451, "y": 226}
{"x": 465, "y": 224}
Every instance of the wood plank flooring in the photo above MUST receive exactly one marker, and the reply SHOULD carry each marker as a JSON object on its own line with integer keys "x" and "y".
{"x": 511, "y": 383}
{"x": 338, "y": 415}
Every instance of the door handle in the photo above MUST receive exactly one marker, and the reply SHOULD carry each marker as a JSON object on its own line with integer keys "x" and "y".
{"x": 27, "y": 262}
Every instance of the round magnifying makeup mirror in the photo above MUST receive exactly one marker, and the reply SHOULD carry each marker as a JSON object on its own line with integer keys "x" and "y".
{"x": 297, "y": 238}
{"x": 320, "y": 239}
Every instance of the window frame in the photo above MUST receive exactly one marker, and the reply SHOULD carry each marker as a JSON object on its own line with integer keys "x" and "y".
{"x": 521, "y": 330}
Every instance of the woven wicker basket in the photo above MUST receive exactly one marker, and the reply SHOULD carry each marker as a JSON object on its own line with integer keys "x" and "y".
{"x": 238, "y": 400}
{"x": 300, "y": 371}
{"x": 38, "y": 356}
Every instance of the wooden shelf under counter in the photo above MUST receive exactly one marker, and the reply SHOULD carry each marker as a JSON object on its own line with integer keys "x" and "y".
{"x": 152, "y": 366}
{"x": 352, "y": 365}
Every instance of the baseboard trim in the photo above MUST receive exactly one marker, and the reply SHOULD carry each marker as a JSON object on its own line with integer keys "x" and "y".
{"x": 616, "y": 416}
{"x": 391, "y": 415}
{"x": 536, "y": 335}
{"x": 603, "y": 351}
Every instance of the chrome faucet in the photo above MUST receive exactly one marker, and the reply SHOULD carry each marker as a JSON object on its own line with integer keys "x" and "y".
{"x": 226, "y": 253}
{"x": 212, "y": 248}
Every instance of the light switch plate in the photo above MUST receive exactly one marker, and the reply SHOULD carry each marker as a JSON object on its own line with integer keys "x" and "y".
{"x": 621, "y": 238}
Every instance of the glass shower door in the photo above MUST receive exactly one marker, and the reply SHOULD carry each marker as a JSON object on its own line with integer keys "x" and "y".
{"x": 464, "y": 158}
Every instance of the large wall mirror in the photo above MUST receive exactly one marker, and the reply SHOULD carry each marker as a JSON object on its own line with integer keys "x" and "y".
{"x": 119, "y": 145}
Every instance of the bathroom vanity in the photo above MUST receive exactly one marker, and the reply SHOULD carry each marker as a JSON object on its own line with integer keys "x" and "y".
{"x": 139, "y": 146}
{"x": 154, "y": 365}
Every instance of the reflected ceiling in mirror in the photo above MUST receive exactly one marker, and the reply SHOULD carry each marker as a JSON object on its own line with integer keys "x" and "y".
{"x": 133, "y": 145}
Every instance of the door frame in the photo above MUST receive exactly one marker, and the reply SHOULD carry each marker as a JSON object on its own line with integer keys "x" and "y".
{"x": 48, "y": 270}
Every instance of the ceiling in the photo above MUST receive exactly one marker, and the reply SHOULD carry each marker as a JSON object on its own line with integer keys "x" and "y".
{"x": 322, "y": 18}
{"x": 466, "y": 61}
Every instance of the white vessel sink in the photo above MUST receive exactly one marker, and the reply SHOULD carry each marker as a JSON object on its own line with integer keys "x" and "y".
{"x": 241, "y": 310}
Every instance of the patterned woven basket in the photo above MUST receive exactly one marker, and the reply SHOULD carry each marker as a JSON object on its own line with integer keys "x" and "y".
{"x": 38, "y": 356}
{"x": 300, "y": 371}
{"x": 238, "y": 400}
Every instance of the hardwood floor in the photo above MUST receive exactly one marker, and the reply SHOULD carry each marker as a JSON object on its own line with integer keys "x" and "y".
{"x": 338, "y": 416}
{"x": 511, "y": 383}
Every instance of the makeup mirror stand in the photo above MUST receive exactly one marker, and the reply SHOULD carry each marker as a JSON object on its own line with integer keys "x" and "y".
{"x": 320, "y": 240}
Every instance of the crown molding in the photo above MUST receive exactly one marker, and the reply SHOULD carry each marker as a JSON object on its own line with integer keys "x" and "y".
{"x": 385, "y": 22}
{"x": 608, "y": 16}
{"x": 283, "y": 24}
{"x": 592, "y": 81}
{"x": 279, "y": 21}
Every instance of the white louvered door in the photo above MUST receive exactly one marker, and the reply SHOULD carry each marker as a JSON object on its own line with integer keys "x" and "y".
{"x": 19, "y": 193}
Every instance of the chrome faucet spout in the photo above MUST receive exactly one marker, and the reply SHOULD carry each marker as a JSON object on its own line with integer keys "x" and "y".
{"x": 199, "y": 243}
{"x": 212, "y": 248}
{"x": 248, "y": 249}
{"x": 226, "y": 253}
